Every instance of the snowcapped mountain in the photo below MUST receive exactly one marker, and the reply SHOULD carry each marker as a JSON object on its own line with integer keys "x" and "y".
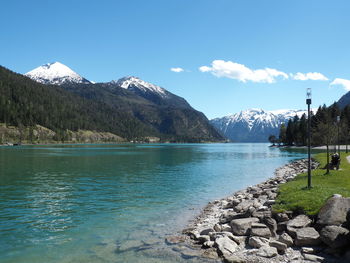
{"x": 136, "y": 84}
{"x": 55, "y": 73}
{"x": 253, "y": 125}
{"x": 150, "y": 92}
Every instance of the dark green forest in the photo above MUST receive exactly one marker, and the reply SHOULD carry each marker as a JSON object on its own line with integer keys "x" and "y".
{"x": 25, "y": 103}
{"x": 325, "y": 129}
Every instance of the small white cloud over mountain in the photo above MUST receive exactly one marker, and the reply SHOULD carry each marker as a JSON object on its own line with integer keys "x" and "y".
{"x": 345, "y": 83}
{"x": 309, "y": 76}
{"x": 177, "y": 70}
{"x": 240, "y": 72}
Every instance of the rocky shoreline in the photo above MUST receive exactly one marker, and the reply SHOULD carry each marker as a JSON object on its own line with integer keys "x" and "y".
{"x": 243, "y": 227}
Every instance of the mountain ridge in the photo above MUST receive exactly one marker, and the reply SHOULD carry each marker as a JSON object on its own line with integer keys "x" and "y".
{"x": 132, "y": 112}
{"x": 253, "y": 125}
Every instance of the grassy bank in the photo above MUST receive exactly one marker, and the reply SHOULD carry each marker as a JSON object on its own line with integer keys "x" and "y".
{"x": 295, "y": 196}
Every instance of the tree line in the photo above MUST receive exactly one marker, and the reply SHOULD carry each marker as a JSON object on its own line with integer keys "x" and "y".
{"x": 325, "y": 128}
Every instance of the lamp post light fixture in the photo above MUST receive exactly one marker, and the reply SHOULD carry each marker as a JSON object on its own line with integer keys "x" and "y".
{"x": 308, "y": 102}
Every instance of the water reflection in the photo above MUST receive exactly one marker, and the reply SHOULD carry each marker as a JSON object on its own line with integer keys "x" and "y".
{"x": 60, "y": 203}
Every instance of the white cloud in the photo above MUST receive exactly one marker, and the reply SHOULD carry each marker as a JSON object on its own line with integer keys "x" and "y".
{"x": 345, "y": 83}
{"x": 309, "y": 76}
{"x": 233, "y": 70}
{"x": 204, "y": 69}
{"x": 177, "y": 70}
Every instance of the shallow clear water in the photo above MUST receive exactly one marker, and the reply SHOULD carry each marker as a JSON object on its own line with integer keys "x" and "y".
{"x": 116, "y": 203}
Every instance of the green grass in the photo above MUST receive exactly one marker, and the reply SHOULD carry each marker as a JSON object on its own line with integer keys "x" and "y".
{"x": 295, "y": 196}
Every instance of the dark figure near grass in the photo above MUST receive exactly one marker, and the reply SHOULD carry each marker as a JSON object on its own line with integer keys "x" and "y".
{"x": 334, "y": 163}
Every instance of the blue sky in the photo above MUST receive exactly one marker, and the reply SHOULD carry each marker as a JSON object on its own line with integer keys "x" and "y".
{"x": 235, "y": 55}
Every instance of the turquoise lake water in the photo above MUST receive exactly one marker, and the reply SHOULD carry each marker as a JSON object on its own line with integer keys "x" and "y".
{"x": 116, "y": 203}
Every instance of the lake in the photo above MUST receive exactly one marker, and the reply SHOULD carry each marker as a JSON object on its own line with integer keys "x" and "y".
{"x": 117, "y": 202}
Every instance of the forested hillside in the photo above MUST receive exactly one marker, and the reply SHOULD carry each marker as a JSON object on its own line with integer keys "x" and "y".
{"x": 324, "y": 127}
{"x": 24, "y": 102}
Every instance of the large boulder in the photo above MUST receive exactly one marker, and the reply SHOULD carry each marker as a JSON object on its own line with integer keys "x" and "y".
{"x": 296, "y": 223}
{"x": 234, "y": 259}
{"x": 242, "y": 226}
{"x": 258, "y": 242}
{"x": 281, "y": 247}
{"x": 334, "y": 211}
{"x": 228, "y": 216}
{"x": 244, "y": 206}
{"x": 271, "y": 224}
{"x": 307, "y": 236}
{"x": 267, "y": 252}
{"x": 299, "y": 222}
{"x": 215, "y": 235}
{"x": 335, "y": 236}
{"x": 225, "y": 245}
{"x": 286, "y": 239}
{"x": 260, "y": 232}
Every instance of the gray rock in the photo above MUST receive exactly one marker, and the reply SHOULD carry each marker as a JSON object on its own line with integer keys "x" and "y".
{"x": 261, "y": 214}
{"x": 308, "y": 250}
{"x": 281, "y": 217}
{"x": 337, "y": 195}
{"x": 292, "y": 231}
{"x": 262, "y": 208}
{"x": 258, "y": 242}
{"x": 313, "y": 258}
{"x": 242, "y": 226}
{"x": 225, "y": 228}
{"x": 271, "y": 224}
{"x": 217, "y": 228}
{"x": 235, "y": 201}
{"x": 203, "y": 238}
{"x": 334, "y": 211}
{"x": 228, "y": 216}
{"x": 243, "y": 206}
{"x": 270, "y": 202}
{"x": 299, "y": 221}
{"x": 281, "y": 247}
{"x": 335, "y": 236}
{"x": 189, "y": 253}
{"x": 225, "y": 246}
{"x": 258, "y": 225}
{"x": 267, "y": 252}
{"x": 171, "y": 240}
{"x": 307, "y": 236}
{"x": 233, "y": 259}
{"x": 208, "y": 244}
{"x": 210, "y": 253}
{"x": 282, "y": 226}
{"x": 215, "y": 235}
{"x": 206, "y": 231}
{"x": 260, "y": 232}
{"x": 286, "y": 239}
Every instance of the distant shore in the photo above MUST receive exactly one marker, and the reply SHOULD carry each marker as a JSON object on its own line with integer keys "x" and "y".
{"x": 324, "y": 147}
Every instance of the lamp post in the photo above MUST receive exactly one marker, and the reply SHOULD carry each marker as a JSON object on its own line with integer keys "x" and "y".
{"x": 338, "y": 124}
{"x": 308, "y": 102}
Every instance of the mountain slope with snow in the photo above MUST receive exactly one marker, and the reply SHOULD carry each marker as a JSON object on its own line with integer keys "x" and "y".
{"x": 151, "y": 92}
{"x": 253, "y": 125}
{"x": 158, "y": 112}
{"x": 55, "y": 73}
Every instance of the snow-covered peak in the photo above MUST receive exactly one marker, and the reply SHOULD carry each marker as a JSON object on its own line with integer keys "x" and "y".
{"x": 254, "y": 125}
{"x": 55, "y": 73}
{"x": 259, "y": 117}
{"x": 135, "y": 82}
